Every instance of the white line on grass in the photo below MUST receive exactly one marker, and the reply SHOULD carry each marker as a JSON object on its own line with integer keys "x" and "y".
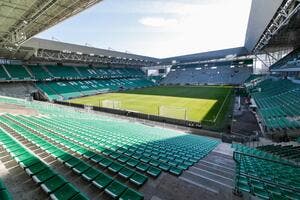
{"x": 222, "y": 106}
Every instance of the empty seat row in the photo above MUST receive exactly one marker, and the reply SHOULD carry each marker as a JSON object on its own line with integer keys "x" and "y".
{"x": 265, "y": 175}
{"x": 101, "y": 180}
{"x": 50, "y": 181}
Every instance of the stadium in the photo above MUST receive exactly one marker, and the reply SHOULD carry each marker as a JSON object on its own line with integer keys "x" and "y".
{"x": 82, "y": 122}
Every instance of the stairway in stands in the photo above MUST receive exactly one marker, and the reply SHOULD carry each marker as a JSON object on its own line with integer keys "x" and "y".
{"x": 215, "y": 173}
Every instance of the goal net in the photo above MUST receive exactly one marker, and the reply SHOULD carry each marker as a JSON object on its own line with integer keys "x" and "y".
{"x": 173, "y": 112}
{"x": 114, "y": 104}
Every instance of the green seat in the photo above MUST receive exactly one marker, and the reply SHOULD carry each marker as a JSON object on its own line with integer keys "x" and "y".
{"x": 23, "y": 157}
{"x": 79, "y": 197}
{"x": 53, "y": 184}
{"x": 261, "y": 193}
{"x": 36, "y": 168}
{"x": 64, "y": 158}
{"x": 142, "y": 166}
{"x": 123, "y": 158}
{"x": 138, "y": 179}
{"x": 126, "y": 172}
{"x": 164, "y": 166}
{"x": 115, "y": 189}
{"x": 102, "y": 180}
{"x": 176, "y": 171}
{"x": 90, "y": 174}
{"x": 29, "y": 162}
{"x": 132, "y": 162}
{"x": 115, "y": 167}
{"x": 5, "y": 195}
{"x": 81, "y": 167}
{"x": 2, "y": 186}
{"x": 153, "y": 171}
{"x": 89, "y": 154}
{"x": 131, "y": 194}
{"x": 105, "y": 162}
{"x": 72, "y": 162}
{"x": 97, "y": 158}
{"x": 183, "y": 166}
{"x": 44, "y": 175}
{"x": 243, "y": 187}
{"x": 154, "y": 163}
{"x": 65, "y": 192}
{"x": 58, "y": 153}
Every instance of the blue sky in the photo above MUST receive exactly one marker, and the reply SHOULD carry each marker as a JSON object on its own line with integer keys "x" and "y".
{"x": 157, "y": 28}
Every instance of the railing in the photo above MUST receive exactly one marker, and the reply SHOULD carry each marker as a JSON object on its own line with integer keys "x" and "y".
{"x": 239, "y": 173}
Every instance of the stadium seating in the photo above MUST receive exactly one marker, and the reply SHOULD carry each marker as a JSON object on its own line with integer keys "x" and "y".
{"x": 289, "y": 152}
{"x": 63, "y": 71}
{"x": 3, "y": 74}
{"x": 51, "y": 182}
{"x": 278, "y": 103}
{"x": 71, "y": 89}
{"x": 4, "y": 193}
{"x": 17, "y": 72}
{"x": 201, "y": 74}
{"x": 119, "y": 153}
{"x": 265, "y": 175}
{"x": 39, "y": 72}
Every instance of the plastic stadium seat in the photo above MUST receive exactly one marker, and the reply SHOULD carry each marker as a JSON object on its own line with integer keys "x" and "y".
{"x": 105, "y": 162}
{"x": 53, "y": 184}
{"x": 79, "y": 197}
{"x": 5, "y": 195}
{"x": 34, "y": 169}
{"x": 115, "y": 189}
{"x": 126, "y": 172}
{"x": 132, "y": 162}
{"x": 80, "y": 168}
{"x": 176, "y": 171}
{"x": 89, "y": 154}
{"x": 90, "y": 174}
{"x": 72, "y": 162}
{"x": 102, "y": 180}
{"x": 44, "y": 175}
{"x": 64, "y": 158}
{"x": 130, "y": 194}
{"x": 142, "y": 166}
{"x": 65, "y": 192}
{"x": 115, "y": 167}
{"x": 97, "y": 158}
{"x": 153, "y": 171}
{"x": 28, "y": 162}
{"x": 138, "y": 179}
{"x": 164, "y": 166}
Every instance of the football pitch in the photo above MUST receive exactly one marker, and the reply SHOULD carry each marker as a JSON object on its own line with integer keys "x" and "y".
{"x": 194, "y": 103}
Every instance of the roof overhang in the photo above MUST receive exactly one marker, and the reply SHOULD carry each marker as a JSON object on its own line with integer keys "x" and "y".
{"x": 21, "y": 20}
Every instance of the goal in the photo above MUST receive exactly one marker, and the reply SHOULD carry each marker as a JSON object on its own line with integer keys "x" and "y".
{"x": 173, "y": 112}
{"x": 114, "y": 104}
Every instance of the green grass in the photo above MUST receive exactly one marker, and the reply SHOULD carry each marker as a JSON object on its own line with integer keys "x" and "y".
{"x": 207, "y": 104}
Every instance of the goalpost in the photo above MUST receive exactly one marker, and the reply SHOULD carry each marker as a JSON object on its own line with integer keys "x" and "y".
{"x": 114, "y": 104}
{"x": 173, "y": 112}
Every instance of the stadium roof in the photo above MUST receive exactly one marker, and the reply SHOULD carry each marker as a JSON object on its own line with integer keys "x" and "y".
{"x": 36, "y": 43}
{"x": 232, "y": 52}
{"x": 273, "y": 25}
{"x": 20, "y": 20}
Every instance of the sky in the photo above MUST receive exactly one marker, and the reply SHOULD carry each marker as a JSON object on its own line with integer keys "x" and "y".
{"x": 157, "y": 28}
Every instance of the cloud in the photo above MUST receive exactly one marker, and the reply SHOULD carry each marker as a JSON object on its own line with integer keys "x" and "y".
{"x": 158, "y": 22}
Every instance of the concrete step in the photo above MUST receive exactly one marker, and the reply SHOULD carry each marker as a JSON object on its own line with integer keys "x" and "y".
{"x": 213, "y": 169}
{"x": 208, "y": 183}
{"x": 220, "y": 161}
{"x": 217, "y": 166}
{"x": 211, "y": 175}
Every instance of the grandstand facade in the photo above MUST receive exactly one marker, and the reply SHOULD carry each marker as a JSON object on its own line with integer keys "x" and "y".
{"x": 227, "y": 132}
